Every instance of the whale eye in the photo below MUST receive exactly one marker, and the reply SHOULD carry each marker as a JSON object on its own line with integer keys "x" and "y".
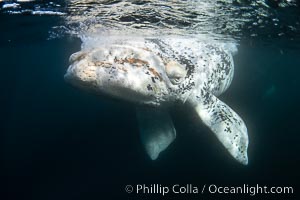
{"x": 175, "y": 72}
{"x": 176, "y": 80}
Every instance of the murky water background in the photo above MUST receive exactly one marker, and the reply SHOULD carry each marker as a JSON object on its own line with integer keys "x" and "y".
{"x": 60, "y": 143}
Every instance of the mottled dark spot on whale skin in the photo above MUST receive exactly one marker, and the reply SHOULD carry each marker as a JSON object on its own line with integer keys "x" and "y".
{"x": 149, "y": 87}
{"x": 227, "y": 70}
{"x": 153, "y": 79}
{"x": 228, "y": 129}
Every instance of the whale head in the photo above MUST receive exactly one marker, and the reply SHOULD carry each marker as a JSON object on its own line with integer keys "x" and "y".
{"x": 125, "y": 72}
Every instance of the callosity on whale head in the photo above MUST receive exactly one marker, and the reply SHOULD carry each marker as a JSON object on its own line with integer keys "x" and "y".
{"x": 156, "y": 73}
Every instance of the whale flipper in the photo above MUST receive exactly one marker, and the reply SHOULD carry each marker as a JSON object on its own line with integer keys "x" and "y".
{"x": 156, "y": 129}
{"x": 224, "y": 122}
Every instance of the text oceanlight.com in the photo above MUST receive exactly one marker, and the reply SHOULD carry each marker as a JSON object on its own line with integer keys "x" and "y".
{"x": 207, "y": 189}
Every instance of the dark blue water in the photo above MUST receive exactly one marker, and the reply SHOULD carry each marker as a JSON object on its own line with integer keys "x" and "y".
{"x": 60, "y": 143}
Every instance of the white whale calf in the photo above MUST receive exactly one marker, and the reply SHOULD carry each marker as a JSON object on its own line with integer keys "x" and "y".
{"x": 158, "y": 73}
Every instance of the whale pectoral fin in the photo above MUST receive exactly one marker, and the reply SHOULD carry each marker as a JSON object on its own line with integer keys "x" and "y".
{"x": 156, "y": 129}
{"x": 224, "y": 122}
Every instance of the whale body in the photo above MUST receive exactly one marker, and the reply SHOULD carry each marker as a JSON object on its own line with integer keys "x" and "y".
{"x": 158, "y": 73}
